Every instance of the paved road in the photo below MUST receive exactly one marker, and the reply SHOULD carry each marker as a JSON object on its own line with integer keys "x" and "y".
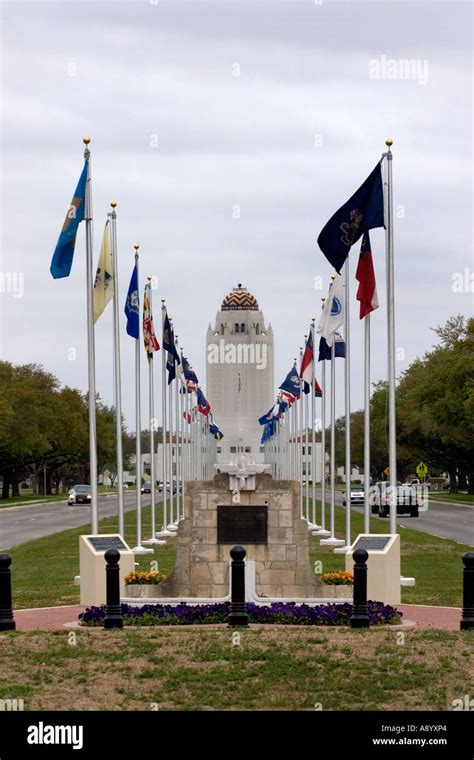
{"x": 442, "y": 519}
{"x": 21, "y": 524}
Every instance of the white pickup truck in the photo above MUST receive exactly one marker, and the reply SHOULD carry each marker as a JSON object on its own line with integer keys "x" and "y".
{"x": 409, "y": 499}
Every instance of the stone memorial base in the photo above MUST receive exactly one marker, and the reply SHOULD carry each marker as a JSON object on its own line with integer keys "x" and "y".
{"x": 282, "y": 564}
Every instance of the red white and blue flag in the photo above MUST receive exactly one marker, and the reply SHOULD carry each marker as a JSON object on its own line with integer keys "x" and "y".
{"x": 367, "y": 290}
{"x": 306, "y": 371}
{"x": 202, "y": 403}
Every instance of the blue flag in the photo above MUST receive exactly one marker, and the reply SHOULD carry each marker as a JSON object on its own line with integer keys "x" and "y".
{"x": 325, "y": 351}
{"x": 170, "y": 346}
{"x": 290, "y": 386}
{"x": 266, "y": 417}
{"x": 268, "y": 431}
{"x": 361, "y": 213}
{"x": 63, "y": 255}
{"x": 132, "y": 306}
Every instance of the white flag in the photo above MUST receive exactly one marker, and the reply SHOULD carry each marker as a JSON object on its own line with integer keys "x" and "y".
{"x": 332, "y": 315}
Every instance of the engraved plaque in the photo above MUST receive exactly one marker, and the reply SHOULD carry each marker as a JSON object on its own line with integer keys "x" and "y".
{"x": 372, "y": 543}
{"x": 242, "y": 525}
{"x": 102, "y": 543}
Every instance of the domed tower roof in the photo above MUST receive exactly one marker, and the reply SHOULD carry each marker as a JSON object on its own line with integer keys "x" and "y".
{"x": 239, "y": 300}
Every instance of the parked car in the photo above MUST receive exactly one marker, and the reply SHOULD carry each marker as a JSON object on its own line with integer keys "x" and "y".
{"x": 80, "y": 494}
{"x": 357, "y": 496}
{"x": 408, "y": 499}
{"x": 146, "y": 488}
{"x": 168, "y": 486}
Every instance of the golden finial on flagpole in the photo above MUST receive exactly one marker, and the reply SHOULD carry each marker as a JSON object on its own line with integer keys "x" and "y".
{"x": 149, "y": 278}
{"x": 86, "y": 140}
{"x": 114, "y": 204}
{"x": 136, "y": 246}
{"x": 163, "y": 300}
{"x": 389, "y": 142}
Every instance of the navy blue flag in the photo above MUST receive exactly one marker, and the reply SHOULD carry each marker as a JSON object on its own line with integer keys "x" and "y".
{"x": 63, "y": 255}
{"x": 268, "y": 431}
{"x": 361, "y": 213}
{"x": 325, "y": 351}
{"x": 290, "y": 386}
{"x": 218, "y": 434}
{"x": 266, "y": 417}
{"x": 132, "y": 306}
{"x": 170, "y": 346}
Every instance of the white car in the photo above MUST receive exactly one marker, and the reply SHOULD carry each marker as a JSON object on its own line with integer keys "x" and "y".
{"x": 80, "y": 494}
{"x": 357, "y": 496}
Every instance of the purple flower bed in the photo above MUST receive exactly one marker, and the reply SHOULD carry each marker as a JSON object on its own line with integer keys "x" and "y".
{"x": 289, "y": 613}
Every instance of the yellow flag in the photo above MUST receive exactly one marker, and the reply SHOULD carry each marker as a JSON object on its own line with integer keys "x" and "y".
{"x": 104, "y": 279}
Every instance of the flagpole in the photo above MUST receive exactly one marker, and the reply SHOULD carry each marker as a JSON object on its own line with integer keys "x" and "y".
{"x": 91, "y": 344}
{"x": 347, "y": 404}
{"x": 299, "y": 435}
{"x": 367, "y": 423}
{"x": 178, "y": 465}
{"x": 322, "y": 530}
{"x": 172, "y": 524}
{"x": 138, "y": 549}
{"x": 313, "y": 524}
{"x": 164, "y": 530}
{"x": 332, "y": 540}
{"x": 117, "y": 372}
{"x": 304, "y": 401}
{"x": 392, "y": 442}
{"x": 151, "y": 409}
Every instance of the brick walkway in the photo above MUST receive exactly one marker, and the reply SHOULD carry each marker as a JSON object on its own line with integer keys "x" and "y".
{"x": 54, "y": 618}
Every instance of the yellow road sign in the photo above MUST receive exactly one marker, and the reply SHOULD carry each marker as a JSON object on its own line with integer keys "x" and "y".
{"x": 422, "y": 470}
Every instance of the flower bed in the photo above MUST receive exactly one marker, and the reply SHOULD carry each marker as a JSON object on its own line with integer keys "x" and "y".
{"x": 339, "y": 578}
{"x": 288, "y": 613}
{"x": 144, "y": 578}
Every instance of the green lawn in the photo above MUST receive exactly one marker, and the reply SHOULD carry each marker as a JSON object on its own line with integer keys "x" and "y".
{"x": 266, "y": 669}
{"x": 461, "y": 496}
{"x": 43, "y": 570}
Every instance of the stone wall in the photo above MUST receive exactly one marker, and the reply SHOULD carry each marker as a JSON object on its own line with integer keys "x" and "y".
{"x": 282, "y": 565}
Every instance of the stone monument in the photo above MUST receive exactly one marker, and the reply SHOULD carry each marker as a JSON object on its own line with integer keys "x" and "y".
{"x": 266, "y": 521}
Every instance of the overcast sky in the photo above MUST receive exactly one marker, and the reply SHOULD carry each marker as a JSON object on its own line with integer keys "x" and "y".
{"x": 279, "y": 108}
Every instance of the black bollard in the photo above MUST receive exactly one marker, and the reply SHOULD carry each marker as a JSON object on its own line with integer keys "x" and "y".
{"x": 113, "y": 610}
{"x": 6, "y": 610}
{"x": 238, "y": 614}
{"x": 360, "y": 614}
{"x": 467, "y": 616}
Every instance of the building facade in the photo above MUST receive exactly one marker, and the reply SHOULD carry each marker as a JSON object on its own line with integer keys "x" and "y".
{"x": 239, "y": 373}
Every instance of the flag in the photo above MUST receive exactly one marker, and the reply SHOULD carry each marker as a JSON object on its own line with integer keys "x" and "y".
{"x": 267, "y": 417}
{"x": 317, "y": 389}
{"x": 367, "y": 291}
{"x": 332, "y": 315}
{"x": 290, "y": 386}
{"x": 339, "y": 349}
{"x": 306, "y": 370}
{"x": 362, "y": 212}
{"x": 214, "y": 429}
{"x": 132, "y": 306}
{"x": 190, "y": 376}
{"x": 268, "y": 431}
{"x": 170, "y": 346}
{"x": 203, "y": 405}
{"x": 63, "y": 255}
{"x": 149, "y": 337}
{"x": 103, "y": 285}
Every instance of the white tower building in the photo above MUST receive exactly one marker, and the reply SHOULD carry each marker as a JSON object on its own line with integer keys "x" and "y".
{"x": 239, "y": 373}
